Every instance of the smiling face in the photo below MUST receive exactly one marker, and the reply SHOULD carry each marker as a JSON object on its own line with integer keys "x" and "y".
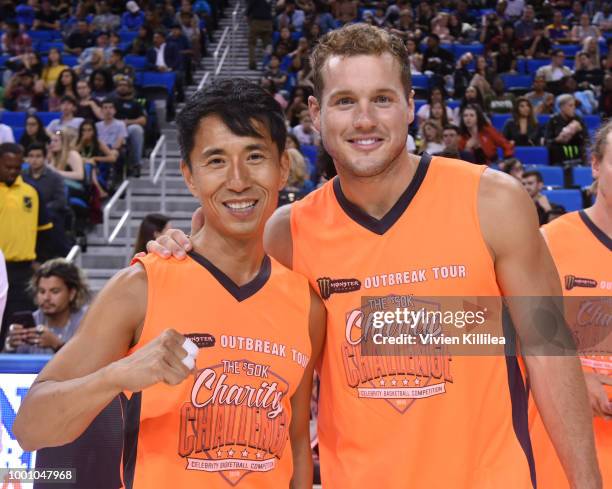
{"x": 235, "y": 178}
{"x": 363, "y": 121}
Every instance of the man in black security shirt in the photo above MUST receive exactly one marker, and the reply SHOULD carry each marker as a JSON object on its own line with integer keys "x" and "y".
{"x": 130, "y": 111}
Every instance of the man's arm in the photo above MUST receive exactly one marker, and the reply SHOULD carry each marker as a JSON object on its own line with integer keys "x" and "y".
{"x": 90, "y": 370}
{"x": 524, "y": 268}
{"x": 300, "y": 402}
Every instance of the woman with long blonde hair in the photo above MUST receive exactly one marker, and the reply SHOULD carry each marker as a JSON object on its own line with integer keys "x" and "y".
{"x": 298, "y": 182}
{"x": 64, "y": 158}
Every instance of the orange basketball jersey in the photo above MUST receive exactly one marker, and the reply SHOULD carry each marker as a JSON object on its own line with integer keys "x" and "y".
{"x": 583, "y": 256}
{"x": 425, "y": 422}
{"x": 228, "y": 425}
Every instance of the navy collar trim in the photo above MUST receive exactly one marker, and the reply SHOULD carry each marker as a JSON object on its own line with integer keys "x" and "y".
{"x": 381, "y": 226}
{"x": 239, "y": 292}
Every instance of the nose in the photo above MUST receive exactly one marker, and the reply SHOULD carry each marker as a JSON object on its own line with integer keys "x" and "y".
{"x": 364, "y": 119}
{"x": 238, "y": 176}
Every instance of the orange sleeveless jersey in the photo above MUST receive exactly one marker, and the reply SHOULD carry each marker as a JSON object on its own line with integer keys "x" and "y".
{"x": 583, "y": 256}
{"x": 438, "y": 421}
{"x": 227, "y": 426}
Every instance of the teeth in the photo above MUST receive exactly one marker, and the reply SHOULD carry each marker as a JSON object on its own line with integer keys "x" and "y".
{"x": 365, "y": 141}
{"x": 240, "y": 205}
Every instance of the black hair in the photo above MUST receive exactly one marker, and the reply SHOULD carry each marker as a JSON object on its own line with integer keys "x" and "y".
{"x": 60, "y": 90}
{"x": 451, "y": 127}
{"x": 557, "y": 52}
{"x": 150, "y": 224}
{"x": 6, "y": 148}
{"x": 239, "y": 103}
{"x": 95, "y": 142}
{"x": 481, "y": 120}
{"x": 36, "y": 147}
{"x": 69, "y": 98}
{"x": 534, "y": 173}
{"x": 108, "y": 79}
{"x": 118, "y": 52}
{"x": 41, "y": 136}
{"x": 107, "y": 100}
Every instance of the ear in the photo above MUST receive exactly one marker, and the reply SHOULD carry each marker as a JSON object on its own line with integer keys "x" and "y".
{"x": 315, "y": 112}
{"x": 410, "y": 102}
{"x": 595, "y": 165}
{"x": 188, "y": 177}
{"x": 285, "y": 164}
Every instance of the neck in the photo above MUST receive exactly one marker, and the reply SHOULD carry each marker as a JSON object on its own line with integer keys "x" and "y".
{"x": 67, "y": 117}
{"x": 244, "y": 261}
{"x": 59, "y": 320}
{"x": 601, "y": 214}
{"x": 376, "y": 195}
{"x": 37, "y": 172}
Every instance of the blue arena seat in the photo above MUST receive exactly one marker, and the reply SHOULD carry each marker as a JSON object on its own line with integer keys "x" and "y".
{"x": 552, "y": 175}
{"x": 453, "y": 104}
{"x": 42, "y": 36}
{"x": 420, "y": 82}
{"x": 3, "y": 59}
{"x": 418, "y": 103}
{"x": 461, "y": 49}
{"x": 592, "y": 122}
{"x": 498, "y": 120}
{"x": 570, "y": 50}
{"x": 154, "y": 79}
{"x": 138, "y": 62}
{"x": 47, "y": 117}
{"x": 582, "y": 176}
{"x": 532, "y": 155}
{"x": 532, "y": 65}
{"x": 18, "y": 132}
{"x": 13, "y": 119}
{"x": 543, "y": 119}
{"x": 44, "y": 46}
{"x": 571, "y": 199}
{"x": 128, "y": 36}
{"x": 517, "y": 82}
{"x": 70, "y": 60}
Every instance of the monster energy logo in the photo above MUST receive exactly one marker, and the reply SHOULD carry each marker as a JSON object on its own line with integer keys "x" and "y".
{"x": 328, "y": 286}
{"x": 571, "y": 152}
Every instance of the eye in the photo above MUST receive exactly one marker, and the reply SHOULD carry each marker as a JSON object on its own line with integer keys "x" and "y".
{"x": 255, "y": 157}
{"x": 382, "y": 99}
{"x": 344, "y": 101}
{"x": 215, "y": 162}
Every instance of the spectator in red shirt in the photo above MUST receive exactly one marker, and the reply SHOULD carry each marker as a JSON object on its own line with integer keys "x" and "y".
{"x": 14, "y": 42}
{"x": 480, "y": 137}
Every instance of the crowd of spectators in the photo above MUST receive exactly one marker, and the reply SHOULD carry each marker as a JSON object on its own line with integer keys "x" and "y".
{"x": 78, "y": 82}
{"x": 490, "y": 77}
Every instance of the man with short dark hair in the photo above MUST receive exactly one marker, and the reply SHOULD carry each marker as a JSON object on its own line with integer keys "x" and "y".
{"x": 111, "y": 131}
{"x": 261, "y": 25}
{"x": 119, "y": 68}
{"x": 450, "y": 139}
{"x": 51, "y": 188}
{"x": 130, "y": 112}
{"x": 533, "y": 184}
{"x": 436, "y": 59}
{"x": 163, "y": 56}
{"x": 68, "y": 107}
{"x": 22, "y": 217}
{"x": 61, "y": 293}
{"x": 47, "y": 18}
{"x": 80, "y": 39}
{"x": 556, "y": 70}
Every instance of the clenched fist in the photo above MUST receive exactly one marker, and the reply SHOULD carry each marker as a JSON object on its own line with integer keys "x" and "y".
{"x": 162, "y": 360}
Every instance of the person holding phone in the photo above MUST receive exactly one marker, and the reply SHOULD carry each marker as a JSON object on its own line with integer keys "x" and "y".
{"x": 61, "y": 293}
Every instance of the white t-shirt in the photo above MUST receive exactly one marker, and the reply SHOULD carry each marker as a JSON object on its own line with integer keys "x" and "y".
{"x": 6, "y": 135}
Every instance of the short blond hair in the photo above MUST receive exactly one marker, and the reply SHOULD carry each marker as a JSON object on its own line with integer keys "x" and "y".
{"x": 355, "y": 40}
